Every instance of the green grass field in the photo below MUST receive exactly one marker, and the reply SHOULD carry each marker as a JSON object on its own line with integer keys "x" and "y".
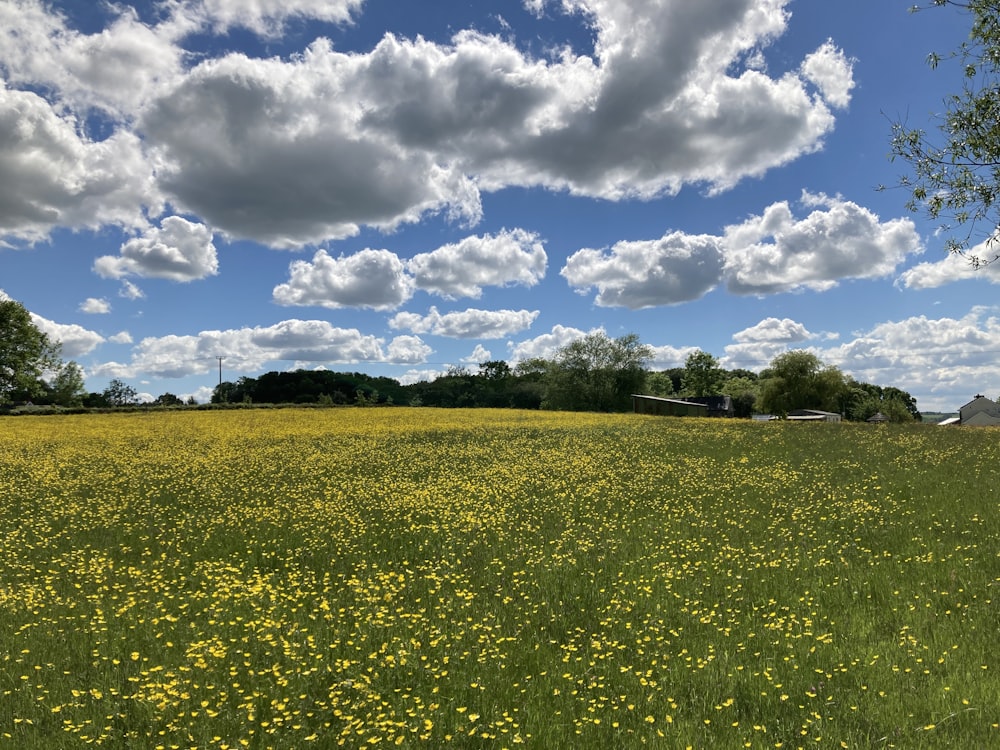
{"x": 486, "y": 579}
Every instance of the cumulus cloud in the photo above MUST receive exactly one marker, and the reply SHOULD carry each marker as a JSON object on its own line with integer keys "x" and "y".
{"x": 777, "y": 252}
{"x": 832, "y": 73}
{"x": 950, "y": 358}
{"x": 467, "y": 324}
{"x": 294, "y": 151}
{"x": 951, "y": 268}
{"x": 676, "y": 268}
{"x": 264, "y": 17}
{"x": 766, "y": 254}
{"x": 757, "y": 345}
{"x": 546, "y": 345}
{"x": 271, "y": 150}
{"x": 74, "y": 340}
{"x": 250, "y": 349}
{"x": 122, "y": 337}
{"x": 55, "y": 177}
{"x": 95, "y": 306}
{"x": 374, "y": 279}
{"x": 947, "y": 360}
{"x": 179, "y": 250}
{"x": 785, "y": 331}
{"x": 379, "y": 279}
{"x": 478, "y": 355}
{"x": 115, "y": 70}
{"x": 665, "y": 357}
{"x": 462, "y": 269}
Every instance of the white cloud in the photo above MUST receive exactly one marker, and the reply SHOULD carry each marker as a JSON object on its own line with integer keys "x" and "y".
{"x": 312, "y": 147}
{"x": 950, "y": 358}
{"x": 676, "y": 268}
{"x": 265, "y": 17}
{"x": 75, "y": 340}
{"x": 785, "y": 331}
{"x": 130, "y": 291}
{"x": 665, "y": 357}
{"x": 832, "y": 73}
{"x": 115, "y": 70}
{"x": 374, "y": 279}
{"x": 949, "y": 269}
{"x": 419, "y": 376}
{"x": 946, "y": 360}
{"x": 467, "y": 324}
{"x": 94, "y": 306}
{"x": 379, "y": 279}
{"x": 464, "y": 268}
{"x": 767, "y": 254}
{"x": 776, "y": 252}
{"x": 250, "y": 349}
{"x": 273, "y": 151}
{"x": 546, "y": 345}
{"x": 478, "y": 355}
{"x": 407, "y": 350}
{"x": 179, "y": 250}
{"x": 54, "y": 177}
{"x": 122, "y": 337}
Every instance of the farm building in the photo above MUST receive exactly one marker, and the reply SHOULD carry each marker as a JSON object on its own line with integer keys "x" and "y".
{"x": 980, "y": 412}
{"x": 695, "y": 406}
{"x": 813, "y": 415}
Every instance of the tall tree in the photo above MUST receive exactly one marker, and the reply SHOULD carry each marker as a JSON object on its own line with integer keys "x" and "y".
{"x": 798, "y": 379}
{"x": 743, "y": 391}
{"x": 956, "y": 174}
{"x": 25, "y": 351}
{"x": 597, "y": 373}
{"x": 702, "y": 375}
{"x": 68, "y": 386}
{"x": 119, "y": 393}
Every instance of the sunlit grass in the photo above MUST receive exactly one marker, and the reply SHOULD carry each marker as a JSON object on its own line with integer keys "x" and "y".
{"x": 373, "y": 577}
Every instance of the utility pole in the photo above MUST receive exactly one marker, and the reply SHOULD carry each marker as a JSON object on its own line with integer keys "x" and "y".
{"x": 220, "y": 368}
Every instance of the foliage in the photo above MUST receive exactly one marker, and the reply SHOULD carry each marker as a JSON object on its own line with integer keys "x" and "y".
{"x": 495, "y": 578}
{"x": 744, "y": 392}
{"x": 956, "y": 176}
{"x": 798, "y": 379}
{"x": 168, "y": 399}
{"x": 25, "y": 351}
{"x": 120, "y": 393}
{"x": 702, "y": 375}
{"x": 597, "y": 373}
{"x": 659, "y": 384}
{"x": 67, "y": 386}
{"x": 866, "y": 400}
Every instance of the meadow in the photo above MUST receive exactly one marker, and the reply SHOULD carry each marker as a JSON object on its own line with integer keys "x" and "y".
{"x": 490, "y": 579}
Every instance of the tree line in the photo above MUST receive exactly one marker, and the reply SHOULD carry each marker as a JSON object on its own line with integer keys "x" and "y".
{"x": 592, "y": 373}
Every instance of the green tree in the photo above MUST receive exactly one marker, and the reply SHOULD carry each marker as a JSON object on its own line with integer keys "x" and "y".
{"x": 744, "y": 392}
{"x": 702, "y": 375}
{"x": 597, "y": 373}
{"x": 659, "y": 384}
{"x": 119, "y": 393}
{"x": 68, "y": 386}
{"x": 955, "y": 176}
{"x": 866, "y": 400}
{"x": 168, "y": 399}
{"x": 25, "y": 351}
{"x": 798, "y": 379}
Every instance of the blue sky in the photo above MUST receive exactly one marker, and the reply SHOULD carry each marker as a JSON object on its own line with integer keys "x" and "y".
{"x": 399, "y": 187}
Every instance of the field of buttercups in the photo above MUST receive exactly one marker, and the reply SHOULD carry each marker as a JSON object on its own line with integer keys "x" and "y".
{"x": 489, "y": 579}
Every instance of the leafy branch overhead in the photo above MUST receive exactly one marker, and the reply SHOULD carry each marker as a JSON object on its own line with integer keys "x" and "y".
{"x": 955, "y": 176}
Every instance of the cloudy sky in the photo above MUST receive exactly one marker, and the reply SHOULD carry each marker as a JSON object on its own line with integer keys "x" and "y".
{"x": 399, "y": 187}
